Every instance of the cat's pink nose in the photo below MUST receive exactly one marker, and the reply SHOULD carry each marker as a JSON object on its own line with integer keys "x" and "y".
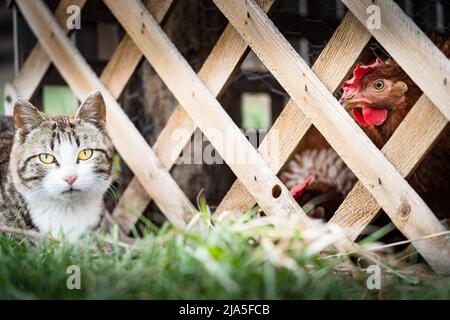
{"x": 70, "y": 180}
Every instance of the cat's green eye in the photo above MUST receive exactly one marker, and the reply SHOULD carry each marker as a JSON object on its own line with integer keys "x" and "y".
{"x": 379, "y": 84}
{"x": 85, "y": 154}
{"x": 46, "y": 158}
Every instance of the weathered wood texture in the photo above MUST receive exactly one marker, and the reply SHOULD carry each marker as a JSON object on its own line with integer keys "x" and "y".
{"x": 115, "y": 76}
{"x": 37, "y": 63}
{"x": 405, "y": 208}
{"x": 423, "y": 125}
{"x": 410, "y": 47}
{"x": 116, "y": 73}
{"x": 380, "y": 173}
{"x": 332, "y": 66}
{"x": 215, "y": 74}
{"x": 205, "y": 110}
{"x": 128, "y": 141}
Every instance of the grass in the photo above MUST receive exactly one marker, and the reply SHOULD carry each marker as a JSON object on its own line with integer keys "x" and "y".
{"x": 252, "y": 258}
{"x": 58, "y": 100}
{"x": 256, "y": 111}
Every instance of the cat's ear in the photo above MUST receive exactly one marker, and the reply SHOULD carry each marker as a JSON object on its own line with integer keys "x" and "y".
{"x": 93, "y": 109}
{"x": 27, "y": 116}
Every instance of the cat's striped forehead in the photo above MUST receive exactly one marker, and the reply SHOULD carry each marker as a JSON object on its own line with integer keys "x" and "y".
{"x": 55, "y": 130}
{"x": 68, "y": 129}
{"x": 61, "y": 122}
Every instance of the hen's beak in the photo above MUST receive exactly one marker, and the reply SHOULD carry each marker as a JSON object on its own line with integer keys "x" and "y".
{"x": 349, "y": 104}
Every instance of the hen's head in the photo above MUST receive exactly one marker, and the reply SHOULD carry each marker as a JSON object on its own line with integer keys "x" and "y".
{"x": 374, "y": 91}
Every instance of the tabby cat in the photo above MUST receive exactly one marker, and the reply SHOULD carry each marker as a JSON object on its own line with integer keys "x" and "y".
{"x": 54, "y": 171}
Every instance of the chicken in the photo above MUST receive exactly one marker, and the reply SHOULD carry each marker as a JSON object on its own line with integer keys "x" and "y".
{"x": 379, "y": 96}
{"x": 319, "y": 180}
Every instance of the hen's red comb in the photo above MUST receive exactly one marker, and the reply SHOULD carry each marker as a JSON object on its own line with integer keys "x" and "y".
{"x": 298, "y": 190}
{"x": 359, "y": 72}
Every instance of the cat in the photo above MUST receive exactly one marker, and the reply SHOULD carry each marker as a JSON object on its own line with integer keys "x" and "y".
{"x": 54, "y": 171}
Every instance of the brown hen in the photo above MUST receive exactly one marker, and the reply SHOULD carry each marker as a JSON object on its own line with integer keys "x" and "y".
{"x": 379, "y": 96}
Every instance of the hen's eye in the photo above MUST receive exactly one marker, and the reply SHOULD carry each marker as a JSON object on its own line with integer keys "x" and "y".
{"x": 379, "y": 84}
{"x": 46, "y": 158}
{"x": 85, "y": 154}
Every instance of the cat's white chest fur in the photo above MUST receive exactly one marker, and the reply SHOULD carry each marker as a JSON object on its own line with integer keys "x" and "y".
{"x": 62, "y": 166}
{"x": 70, "y": 219}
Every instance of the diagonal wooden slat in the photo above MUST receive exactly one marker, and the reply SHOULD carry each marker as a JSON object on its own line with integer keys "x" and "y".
{"x": 116, "y": 73}
{"x": 423, "y": 125}
{"x": 131, "y": 145}
{"x": 205, "y": 110}
{"x": 215, "y": 73}
{"x": 115, "y": 76}
{"x": 33, "y": 70}
{"x": 405, "y": 208}
{"x": 426, "y": 143}
{"x": 411, "y": 48}
{"x": 125, "y": 59}
{"x": 332, "y": 66}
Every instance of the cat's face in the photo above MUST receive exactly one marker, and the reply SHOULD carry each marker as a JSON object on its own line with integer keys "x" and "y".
{"x": 62, "y": 158}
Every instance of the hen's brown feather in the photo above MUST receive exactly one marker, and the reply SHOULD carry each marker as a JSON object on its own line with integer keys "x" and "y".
{"x": 432, "y": 177}
{"x": 330, "y": 177}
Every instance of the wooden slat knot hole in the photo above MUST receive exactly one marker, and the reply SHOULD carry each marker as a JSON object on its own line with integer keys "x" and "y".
{"x": 405, "y": 209}
{"x": 276, "y": 191}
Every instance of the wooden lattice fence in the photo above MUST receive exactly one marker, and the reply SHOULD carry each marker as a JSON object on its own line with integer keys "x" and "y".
{"x": 380, "y": 173}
